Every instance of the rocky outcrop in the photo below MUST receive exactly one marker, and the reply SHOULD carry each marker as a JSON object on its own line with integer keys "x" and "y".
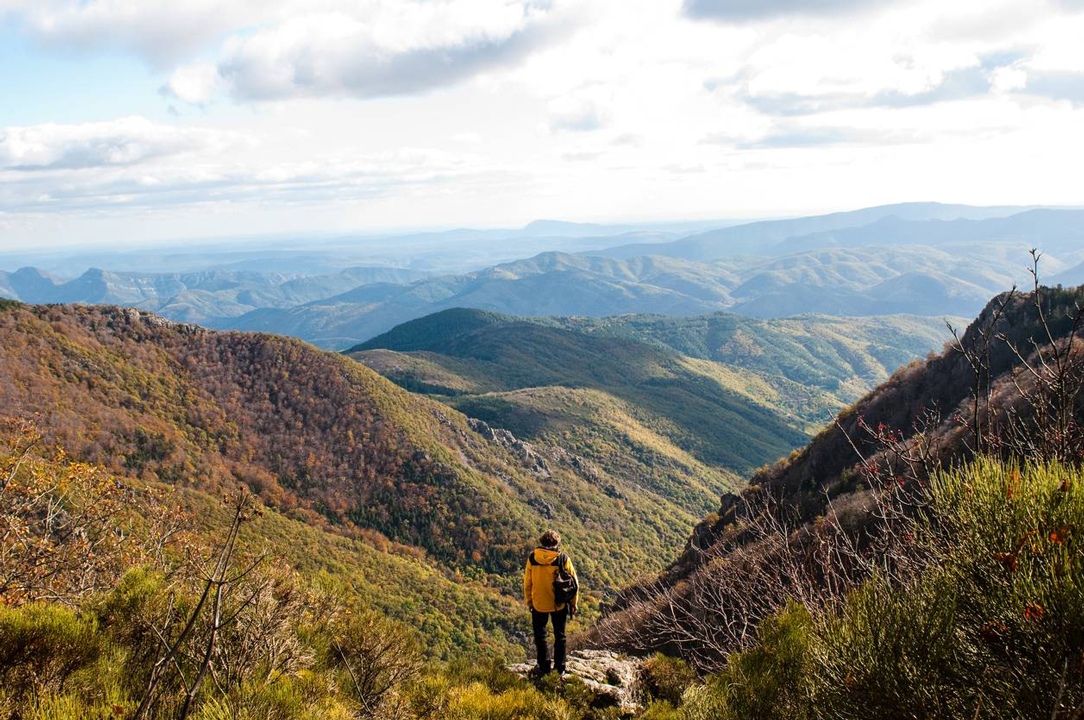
{"x": 534, "y": 457}
{"x": 613, "y": 678}
{"x": 528, "y": 456}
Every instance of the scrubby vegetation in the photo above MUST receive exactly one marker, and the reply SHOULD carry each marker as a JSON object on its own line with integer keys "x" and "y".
{"x": 122, "y": 610}
{"x": 992, "y": 628}
{"x": 906, "y": 563}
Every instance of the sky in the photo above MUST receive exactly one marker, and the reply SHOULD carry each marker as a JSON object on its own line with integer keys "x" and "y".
{"x": 143, "y": 121}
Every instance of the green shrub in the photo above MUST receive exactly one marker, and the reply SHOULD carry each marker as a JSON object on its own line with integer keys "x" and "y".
{"x": 661, "y": 710}
{"x": 71, "y": 707}
{"x": 477, "y": 702}
{"x": 491, "y": 672}
{"x": 891, "y": 652}
{"x": 127, "y": 615}
{"x": 1010, "y": 544}
{"x": 572, "y": 694}
{"x": 666, "y": 678}
{"x": 42, "y": 645}
{"x": 302, "y": 697}
{"x": 769, "y": 680}
{"x": 372, "y": 658}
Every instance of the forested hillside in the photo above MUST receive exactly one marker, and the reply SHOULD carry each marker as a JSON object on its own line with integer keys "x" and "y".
{"x": 806, "y": 368}
{"x": 645, "y": 418}
{"x": 844, "y": 356}
{"x": 313, "y": 434}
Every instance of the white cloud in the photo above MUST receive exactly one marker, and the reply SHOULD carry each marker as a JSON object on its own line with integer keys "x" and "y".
{"x": 373, "y": 50}
{"x": 276, "y": 49}
{"x": 161, "y": 32}
{"x": 751, "y": 10}
{"x": 194, "y": 84}
{"x": 139, "y": 164}
{"x": 574, "y": 115}
{"x": 467, "y": 138}
{"x": 128, "y": 141}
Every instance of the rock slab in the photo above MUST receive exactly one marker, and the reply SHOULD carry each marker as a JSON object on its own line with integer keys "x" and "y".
{"x": 609, "y": 675}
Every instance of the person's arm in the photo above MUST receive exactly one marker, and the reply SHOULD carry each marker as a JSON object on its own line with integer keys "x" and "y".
{"x": 527, "y": 587}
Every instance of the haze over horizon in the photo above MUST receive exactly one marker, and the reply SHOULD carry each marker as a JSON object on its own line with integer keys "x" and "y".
{"x": 141, "y": 122}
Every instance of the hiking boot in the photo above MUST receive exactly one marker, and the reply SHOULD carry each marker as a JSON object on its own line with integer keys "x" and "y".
{"x": 539, "y": 672}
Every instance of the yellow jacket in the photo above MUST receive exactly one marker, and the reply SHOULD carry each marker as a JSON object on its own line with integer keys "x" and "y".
{"x": 538, "y": 580}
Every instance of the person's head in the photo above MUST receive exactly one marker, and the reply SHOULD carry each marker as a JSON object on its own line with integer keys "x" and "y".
{"x": 549, "y": 539}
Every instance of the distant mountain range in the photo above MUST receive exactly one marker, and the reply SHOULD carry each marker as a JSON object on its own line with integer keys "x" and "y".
{"x": 548, "y": 284}
{"x": 889, "y": 265}
{"x": 196, "y": 296}
{"x": 917, "y": 258}
{"x": 443, "y": 252}
{"x": 770, "y": 237}
{"x": 850, "y": 282}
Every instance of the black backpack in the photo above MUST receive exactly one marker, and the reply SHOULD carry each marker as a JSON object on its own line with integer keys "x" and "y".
{"x": 564, "y": 583}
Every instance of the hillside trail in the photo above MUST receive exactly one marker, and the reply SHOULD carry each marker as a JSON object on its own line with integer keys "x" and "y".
{"x": 614, "y": 679}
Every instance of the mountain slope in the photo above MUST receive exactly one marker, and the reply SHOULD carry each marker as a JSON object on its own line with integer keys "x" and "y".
{"x": 826, "y": 491}
{"x": 844, "y": 356}
{"x": 642, "y": 414}
{"x": 325, "y": 440}
{"x": 457, "y": 616}
{"x": 592, "y": 394}
{"x": 315, "y": 435}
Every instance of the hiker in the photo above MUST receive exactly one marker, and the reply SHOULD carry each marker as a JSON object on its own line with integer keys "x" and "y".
{"x": 551, "y": 589}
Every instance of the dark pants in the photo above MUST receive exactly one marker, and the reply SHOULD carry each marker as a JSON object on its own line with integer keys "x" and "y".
{"x": 538, "y": 623}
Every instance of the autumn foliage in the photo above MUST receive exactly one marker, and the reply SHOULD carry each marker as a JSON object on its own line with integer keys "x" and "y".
{"x": 314, "y": 435}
